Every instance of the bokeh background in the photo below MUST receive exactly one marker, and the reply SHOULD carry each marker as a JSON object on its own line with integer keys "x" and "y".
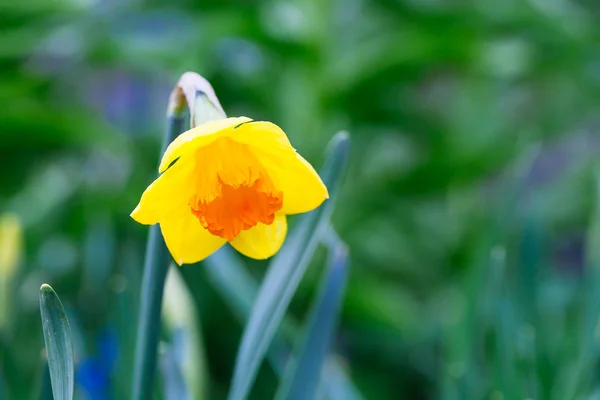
{"x": 471, "y": 207}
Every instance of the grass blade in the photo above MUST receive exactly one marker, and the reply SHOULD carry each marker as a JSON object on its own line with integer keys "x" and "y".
{"x": 302, "y": 378}
{"x": 57, "y": 336}
{"x": 227, "y": 274}
{"x": 284, "y": 275}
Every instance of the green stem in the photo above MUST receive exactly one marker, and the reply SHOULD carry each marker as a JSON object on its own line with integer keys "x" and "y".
{"x": 156, "y": 266}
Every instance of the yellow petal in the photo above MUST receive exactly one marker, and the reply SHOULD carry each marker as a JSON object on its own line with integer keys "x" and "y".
{"x": 198, "y": 136}
{"x": 170, "y": 190}
{"x": 303, "y": 190}
{"x": 262, "y": 241}
{"x": 186, "y": 239}
{"x": 260, "y": 134}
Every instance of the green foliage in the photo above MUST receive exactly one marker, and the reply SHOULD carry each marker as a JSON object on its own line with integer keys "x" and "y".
{"x": 59, "y": 347}
{"x": 466, "y": 280}
{"x": 303, "y": 376}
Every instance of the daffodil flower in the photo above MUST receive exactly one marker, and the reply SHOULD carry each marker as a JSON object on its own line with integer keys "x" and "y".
{"x": 230, "y": 180}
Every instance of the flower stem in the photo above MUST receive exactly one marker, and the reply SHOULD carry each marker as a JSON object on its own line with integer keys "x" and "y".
{"x": 156, "y": 266}
{"x": 195, "y": 94}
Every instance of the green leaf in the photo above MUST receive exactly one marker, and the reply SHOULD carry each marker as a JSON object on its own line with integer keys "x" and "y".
{"x": 183, "y": 364}
{"x": 57, "y": 335}
{"x": 284, "y": 275}
{"x": 303, "y": 375}
{"x": 227, "y": 274}
{"x": 176, "y": 386}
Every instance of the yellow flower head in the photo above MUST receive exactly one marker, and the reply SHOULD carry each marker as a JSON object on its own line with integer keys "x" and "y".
{"x": 231, "y": 180}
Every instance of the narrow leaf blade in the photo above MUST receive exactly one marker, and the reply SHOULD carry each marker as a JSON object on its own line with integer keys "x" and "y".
{"x": 284, "y": 275}
{"x": 174, "y": 385}
{"x": 302, "y": 378}
{"x": 227, "y": 274}
{"x": 59, "y": 348}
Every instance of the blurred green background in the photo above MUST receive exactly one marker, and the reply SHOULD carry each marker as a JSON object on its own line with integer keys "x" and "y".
{"x": 471, "y": 208}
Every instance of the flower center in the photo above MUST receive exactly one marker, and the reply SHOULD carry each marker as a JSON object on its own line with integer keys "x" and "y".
{"x": 233, "y": 190}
